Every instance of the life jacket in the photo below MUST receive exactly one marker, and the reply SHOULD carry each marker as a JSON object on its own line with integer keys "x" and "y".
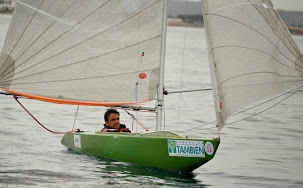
{"x": 122, "y": 128}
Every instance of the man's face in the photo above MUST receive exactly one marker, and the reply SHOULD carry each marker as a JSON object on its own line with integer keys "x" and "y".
{"x": 113, "y": 121}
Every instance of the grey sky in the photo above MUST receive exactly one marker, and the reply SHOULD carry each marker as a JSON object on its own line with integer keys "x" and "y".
{"x": 296, "y": 5}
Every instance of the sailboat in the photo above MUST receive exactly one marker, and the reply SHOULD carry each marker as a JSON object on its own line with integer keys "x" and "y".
{"x": 112, "y": 54}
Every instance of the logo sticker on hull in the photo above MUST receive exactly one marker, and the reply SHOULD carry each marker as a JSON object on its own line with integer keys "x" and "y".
{"x": 185, "y": 148}
{"x": 77, "y": 141}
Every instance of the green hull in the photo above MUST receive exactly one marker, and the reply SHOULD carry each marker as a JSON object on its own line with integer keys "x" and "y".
{"x": 160, "y": 149}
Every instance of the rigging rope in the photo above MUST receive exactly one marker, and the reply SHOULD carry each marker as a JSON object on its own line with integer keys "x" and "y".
{"x": 293, "y": 92}
{"x": 182, "y": 68}
{"x": 54, "y": 132}
{"x": 75, "y": 117}
{"x": 198, "y": 126}
{"x": 134, "y": 118}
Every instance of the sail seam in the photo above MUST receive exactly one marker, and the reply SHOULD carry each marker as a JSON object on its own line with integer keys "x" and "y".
{"x": 47, "y": 29}
{"x": 78, "y": 62}
{"x": 86, "y": 78}
{"x": 291, "y": 43}
{"x": 258, "y": 33}
{"x": 20, "y": 38}
{"x": 75, "y": 44}
{"x": 46, "y": 14}
{"x": 265, "y": 72}
{"x": 53, "y": 42}
{"x": 227, "y": 7}
{"x": 261, "y": 52}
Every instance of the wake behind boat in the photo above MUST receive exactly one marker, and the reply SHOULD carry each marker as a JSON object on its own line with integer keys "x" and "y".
{"x": 112, "y": 54}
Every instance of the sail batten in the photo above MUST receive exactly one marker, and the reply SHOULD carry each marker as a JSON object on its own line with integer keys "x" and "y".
{"x": 252, "y": 55}
{"x": 46, "y": 14}
{"x": 84, "y": 50}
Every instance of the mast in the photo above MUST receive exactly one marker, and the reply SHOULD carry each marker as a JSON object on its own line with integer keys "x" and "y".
{"x": 162, "y": 66}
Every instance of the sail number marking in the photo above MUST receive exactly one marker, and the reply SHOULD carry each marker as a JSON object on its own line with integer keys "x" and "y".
{"x": 209, "y": 148}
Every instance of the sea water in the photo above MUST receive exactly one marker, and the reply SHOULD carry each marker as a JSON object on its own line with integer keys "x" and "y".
{"x": 263, "y": 151}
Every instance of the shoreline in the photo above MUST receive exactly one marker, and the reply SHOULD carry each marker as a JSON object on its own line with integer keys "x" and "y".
{"x": 7, "y": 12}
{"x": 294, "y": 30}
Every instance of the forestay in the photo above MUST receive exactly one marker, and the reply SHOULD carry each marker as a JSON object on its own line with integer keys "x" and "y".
{"x": 252, "y": 54}
{"x": 93, "y": 52}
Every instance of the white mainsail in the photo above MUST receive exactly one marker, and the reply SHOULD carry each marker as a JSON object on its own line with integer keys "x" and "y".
{"x": 94, "y": 50}
{"x": 252, "y": 54}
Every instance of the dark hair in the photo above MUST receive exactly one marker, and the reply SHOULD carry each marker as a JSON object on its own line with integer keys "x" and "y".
{"x": 110, "y": 111}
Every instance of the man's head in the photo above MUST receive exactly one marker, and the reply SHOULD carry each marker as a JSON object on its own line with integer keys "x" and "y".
{"x": 112, "y": 118}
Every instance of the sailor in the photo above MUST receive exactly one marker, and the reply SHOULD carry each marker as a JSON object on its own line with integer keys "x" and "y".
{"x": 112, "y": 122}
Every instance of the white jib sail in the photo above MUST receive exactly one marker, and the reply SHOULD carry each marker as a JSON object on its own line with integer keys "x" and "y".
{"x": 92, "y": 50}
{"x": 252, "y": 54}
